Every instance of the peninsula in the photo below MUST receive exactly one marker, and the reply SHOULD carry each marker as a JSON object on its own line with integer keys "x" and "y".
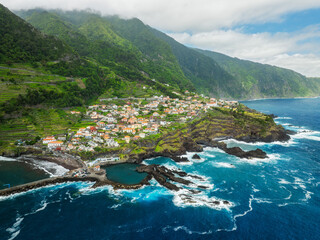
{"x": 132, "y": 130}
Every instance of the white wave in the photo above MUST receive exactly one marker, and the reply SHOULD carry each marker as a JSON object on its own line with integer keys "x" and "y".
{"x": 210, "y": 155}
{"x": 88, "y": 190}
{"x": 14, "y": 235}
{"x": 6, "y": 159}
{"x": 288, "y": 203}
{"x": 143, "y": 229}
{"x": 307, "y": 196}
{"x": 15, "y": 229}
{"x": 182, "y": 228}
{"x": 115, "y": 206}
{"x": 290, "y": 195}
{"x": 255, "y": 190}
{"x": 283, "y": 181}
{"x": 307, "y": 134}
{"x": 223, "y": 165}
{"x": 52, "y": 169}
{"x": 52, "y": 188}
{"x": 42, "y": 207}
{"x": 183, "y": 198}
{"x": 243, "y": 144}
{"x": 187, "y": 230}
{"x": 271, "y": 158}
{"x": 283, "y": 118}
{"x": 262, "y": 200}
{"x": 299, "y": 181}
{"x": 49, "y": 167}
{"x": 239, "y": 215}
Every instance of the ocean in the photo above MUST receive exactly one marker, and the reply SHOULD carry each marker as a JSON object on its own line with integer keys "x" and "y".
{"x": 273, "y": 198}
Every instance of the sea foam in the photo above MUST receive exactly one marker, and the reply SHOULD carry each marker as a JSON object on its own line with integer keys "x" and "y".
{"x": 5, "y": 159}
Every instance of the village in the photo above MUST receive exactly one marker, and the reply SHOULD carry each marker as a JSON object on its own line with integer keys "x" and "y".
{"x": 117, "y": 124}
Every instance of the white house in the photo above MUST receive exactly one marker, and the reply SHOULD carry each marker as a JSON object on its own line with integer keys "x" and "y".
{"x": 48, "y": 139}
{"x": 55, "y": 144}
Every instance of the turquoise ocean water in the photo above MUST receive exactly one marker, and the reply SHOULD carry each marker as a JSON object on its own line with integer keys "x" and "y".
{"x": 274, "y": 198}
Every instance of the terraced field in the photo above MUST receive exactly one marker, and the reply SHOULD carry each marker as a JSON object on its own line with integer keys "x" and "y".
{"x": 35, "y": 122}
{"x": 16, "y": 79}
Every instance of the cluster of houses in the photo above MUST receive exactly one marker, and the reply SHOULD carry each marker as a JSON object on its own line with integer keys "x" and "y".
{"x": 116, "y": 124}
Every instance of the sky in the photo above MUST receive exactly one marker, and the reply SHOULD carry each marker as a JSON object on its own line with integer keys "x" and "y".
{"x": 284, "y": 33}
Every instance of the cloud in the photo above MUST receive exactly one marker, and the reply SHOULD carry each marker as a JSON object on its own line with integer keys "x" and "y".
{"x": 298, "y": 50}
{"x": 182, "y": 15}
{"x": 307, "y": 64}
{"x": 215, "y": 25}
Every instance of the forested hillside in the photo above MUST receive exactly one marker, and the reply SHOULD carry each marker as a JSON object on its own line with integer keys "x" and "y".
{"x": 262, "y": 80}
{"x": 21, "y": 42}
{"x": 94, "y": 37}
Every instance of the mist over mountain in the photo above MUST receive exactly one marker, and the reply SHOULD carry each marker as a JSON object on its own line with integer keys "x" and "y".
{"x": 137, "y": 52}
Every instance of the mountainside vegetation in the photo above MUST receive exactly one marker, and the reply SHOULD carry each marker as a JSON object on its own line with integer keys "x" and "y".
{"x": 262, "y": 80}
{"x": 134, "y": 50}
{"x": 21, "y": 42}
{"x": 207, "y": 76}
{"x": 107, "y": 47}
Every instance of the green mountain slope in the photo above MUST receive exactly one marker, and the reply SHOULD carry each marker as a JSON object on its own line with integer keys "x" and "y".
{"x": 109, "y": 47}
{"x": 51, "y": 73}
{"x": 157, "y": 54}
{"x": 20, "y": 42}
{"x": 135, "y": 51}
{"x": 204, "y": 72}
{"x": 261, "y": 80}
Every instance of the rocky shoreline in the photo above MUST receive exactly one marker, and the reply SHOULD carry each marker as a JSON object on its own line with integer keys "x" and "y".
{"x": 161, "y": 174}
{"x": 206, "y": 132}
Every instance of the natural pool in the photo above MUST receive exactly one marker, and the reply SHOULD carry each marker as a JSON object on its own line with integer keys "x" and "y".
{"x": 124, "y": 173}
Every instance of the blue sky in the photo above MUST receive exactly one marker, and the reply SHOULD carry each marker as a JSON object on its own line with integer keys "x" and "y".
{"x": 283, "y": 33}
{"x": 290, "y": 22}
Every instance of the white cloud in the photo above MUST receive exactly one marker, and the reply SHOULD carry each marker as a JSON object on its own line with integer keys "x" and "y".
{"x": 182, "y": 15}
{"x": 295, "y": 51}
{"x": 307, "y": 64}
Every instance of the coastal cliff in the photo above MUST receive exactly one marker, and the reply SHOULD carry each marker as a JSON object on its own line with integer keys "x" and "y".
{"x": 209, "y": 130}
{"x": 206, "y": 130}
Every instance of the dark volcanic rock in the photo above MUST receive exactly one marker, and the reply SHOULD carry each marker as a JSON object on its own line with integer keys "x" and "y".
{"x": 161, "y": 174}
{"x": 191, "y": 146}
{"x": 179, "y": 159}
{"x": 280, "y": 135}
{"x": 181, "y": 174}
{"x": 236, "y": 151}
{"x": 196, "y": 156}
{"x": 289, "y": 132}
